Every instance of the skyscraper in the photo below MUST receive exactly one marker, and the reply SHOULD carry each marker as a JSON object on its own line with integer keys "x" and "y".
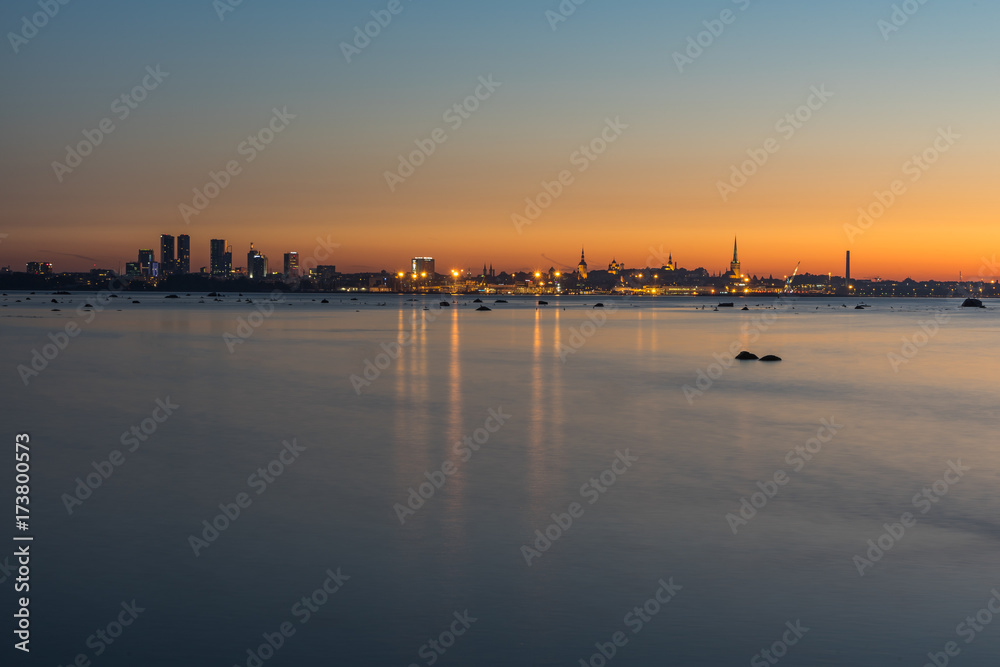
{"x": 217, "y": 257}
{"x": 291, "y": 264}
{"x": 183, "y": 254}
{"x": 166, "y": 254}
{"x": 256, "y": 264}
{"x": 146, "y": 262}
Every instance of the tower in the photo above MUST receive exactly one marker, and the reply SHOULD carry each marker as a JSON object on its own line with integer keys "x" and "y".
{"x": 848, "y": 274}
{"x": 581, "y": 269}
{"x": 166, "y": 254}
{"x": 217, "y": 257}
{"x": 734, "y": 267}
{"x": 183, "y": 254}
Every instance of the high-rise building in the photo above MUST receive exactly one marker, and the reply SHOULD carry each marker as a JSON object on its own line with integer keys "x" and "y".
{"x": 166, "y": 254}
{"x": 423, "y": 267}
{"x": 183, "y": 254}
{"x": 146, "y": 260}
{"x": 39, "y": 268}
{"x": 291, "y": 264}
{"x": 256, "y": 264}
{"x": 217, "y": 257}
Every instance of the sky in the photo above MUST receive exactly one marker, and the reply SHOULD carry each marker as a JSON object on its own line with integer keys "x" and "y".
{"x": 662, "y": 145}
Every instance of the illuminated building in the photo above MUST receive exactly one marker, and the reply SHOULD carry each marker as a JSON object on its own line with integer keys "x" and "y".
{"x": 734, "y": 267}
{"x": 146, "y": 261}
{"x": 291, "y": 264}
{"x": 39, "y": 268}
{"x": 423, "y": 267}
{"x": 166, "y": 254}
{"x": 217, "y": 258}
{"x": 581, "y": 269}
{"x": 183, "y": 254}
{"x": 256, "y": 264}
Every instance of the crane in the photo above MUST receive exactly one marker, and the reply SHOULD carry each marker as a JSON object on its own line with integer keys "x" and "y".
{"x": 788, "y": 283}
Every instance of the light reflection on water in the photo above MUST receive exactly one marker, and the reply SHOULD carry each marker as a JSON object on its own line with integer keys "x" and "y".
{"x": 621, "y": 390}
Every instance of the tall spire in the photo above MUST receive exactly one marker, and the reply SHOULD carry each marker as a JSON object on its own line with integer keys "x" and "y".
{"x": 735, "y": 256}
{"x": 581, "y": 254}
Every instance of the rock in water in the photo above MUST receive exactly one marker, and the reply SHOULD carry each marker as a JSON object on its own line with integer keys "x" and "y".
{"x": 746, "y": 356}
{"x": 770, "y": 357}
{"x": 973, "y": 303}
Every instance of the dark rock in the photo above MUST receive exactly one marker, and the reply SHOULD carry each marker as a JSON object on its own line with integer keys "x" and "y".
{"x": 727, "y": 305}
{"x": 973, "y": 303}
{"x": 770, "y": 357}
{"x": 171, "y": 296}
{"x": 483, "y": 308}
{"x": 598, "y": 305}
{"x": 478, "y": 301}
{"x": 543, "y": 303}
{"x": 746, "y": 356}
{"x": 324, "y": 301}
{"x": 445, "y": 304}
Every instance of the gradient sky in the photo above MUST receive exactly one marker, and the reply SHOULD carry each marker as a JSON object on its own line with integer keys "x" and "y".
{"x": 656, "y": 187}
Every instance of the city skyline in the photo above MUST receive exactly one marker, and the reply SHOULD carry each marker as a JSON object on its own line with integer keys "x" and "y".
{"x": 656, "y": 257}
{"x": 703, "y": 128}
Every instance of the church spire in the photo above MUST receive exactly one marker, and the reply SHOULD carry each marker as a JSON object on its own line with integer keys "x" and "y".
{"x": 735, "y": 254}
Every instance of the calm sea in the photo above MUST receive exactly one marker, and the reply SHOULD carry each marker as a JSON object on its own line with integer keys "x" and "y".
{"x": 553, "y": 485}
